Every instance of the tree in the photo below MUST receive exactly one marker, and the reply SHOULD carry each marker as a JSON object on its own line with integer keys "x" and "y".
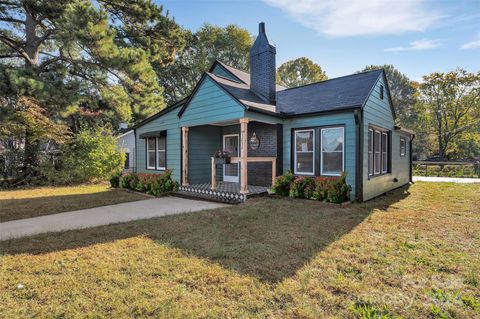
{"x": 230, "y": 44}
{"x": 403, "y": 94}
{"x": 82, "y": 59}
{"x": 300, "y": 72}
{"x": 451, "y": 106}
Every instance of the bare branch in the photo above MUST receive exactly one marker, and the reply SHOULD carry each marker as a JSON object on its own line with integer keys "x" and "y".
{"x": 15, "y": 45}
{"x": 13, "y": 20}
{"x": 10, "y": 56}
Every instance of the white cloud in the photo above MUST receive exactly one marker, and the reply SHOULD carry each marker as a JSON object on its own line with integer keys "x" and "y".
{"x": 418, "y": 45}
{"x": 341, "y": 18}
{"x": 475, "y": 44}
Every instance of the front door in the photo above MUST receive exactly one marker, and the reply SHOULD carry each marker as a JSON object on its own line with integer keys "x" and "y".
{"x": 231, "y": 145}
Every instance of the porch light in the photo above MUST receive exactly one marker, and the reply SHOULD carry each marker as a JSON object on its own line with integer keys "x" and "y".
{"x": 254, "y": 142}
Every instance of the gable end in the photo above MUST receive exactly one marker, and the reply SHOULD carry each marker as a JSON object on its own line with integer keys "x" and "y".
{"x": 387, "y": 91}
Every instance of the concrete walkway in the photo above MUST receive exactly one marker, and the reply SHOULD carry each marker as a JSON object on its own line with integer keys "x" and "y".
{"x": 102, "y": 216}
{"x": 446, "y": 179}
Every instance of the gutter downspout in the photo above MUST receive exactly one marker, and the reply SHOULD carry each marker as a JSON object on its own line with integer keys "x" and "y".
{"x": 358, "y": 114}
{"x": 412, "y": 137}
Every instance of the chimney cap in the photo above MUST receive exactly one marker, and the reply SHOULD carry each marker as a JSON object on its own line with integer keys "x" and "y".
{"x": 261, "y": 27}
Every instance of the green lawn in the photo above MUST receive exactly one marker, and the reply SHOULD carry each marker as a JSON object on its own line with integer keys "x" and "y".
{"x": 24, "y": 203}
{"x": 414, "y": 254}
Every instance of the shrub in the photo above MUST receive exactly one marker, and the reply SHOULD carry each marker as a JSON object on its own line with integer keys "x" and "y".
{"x": 338, "y": 190}
{"x": 154, "y": 184}
{"x": 302, "y": 187}
{"x": 322, "y": 185}
{"x": 92, "y": 156}
{"x": 282, "y": 184}
{"x": 328, "y": 189}
{"x": 447, "y": 170}
{"x": 115, "y": 179}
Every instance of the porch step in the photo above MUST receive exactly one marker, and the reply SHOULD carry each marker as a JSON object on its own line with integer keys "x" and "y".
{"x": 224, "y": 193}
{"x": 210, "y": 198}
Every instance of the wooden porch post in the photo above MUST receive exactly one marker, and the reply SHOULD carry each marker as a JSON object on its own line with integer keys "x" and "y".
{"x": 274, "y": 171}
{"x": 184, "y": 156}
{"x": 244, "y": 156}
{"x": 214, "y": 175}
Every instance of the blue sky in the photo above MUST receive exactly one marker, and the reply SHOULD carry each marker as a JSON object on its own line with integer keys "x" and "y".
{"x": 343, "y": 36}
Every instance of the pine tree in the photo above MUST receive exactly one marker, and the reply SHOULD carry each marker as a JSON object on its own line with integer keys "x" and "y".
{"x": 81, "y": 62}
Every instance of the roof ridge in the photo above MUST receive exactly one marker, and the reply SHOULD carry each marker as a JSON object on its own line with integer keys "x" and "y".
{"x": 225, "y": 78}
{"x": 339, "y": 77}
{"x": 229, "y": 66}
{"x": 241, "y": 83}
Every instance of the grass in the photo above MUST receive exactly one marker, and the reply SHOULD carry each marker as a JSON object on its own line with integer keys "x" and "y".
{"x": 25, "y": 203}
{"x": 411, "y": 254}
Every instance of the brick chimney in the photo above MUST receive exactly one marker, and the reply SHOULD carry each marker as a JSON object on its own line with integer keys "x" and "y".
{"x": 262, "y": 66}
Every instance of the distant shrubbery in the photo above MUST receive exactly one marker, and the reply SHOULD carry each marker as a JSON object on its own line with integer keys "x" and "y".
{"x": 91, "y": 156}
{"x": 446, "y": 171}
{"x": 154, "y": 184}
{"x": 327, "y": 189}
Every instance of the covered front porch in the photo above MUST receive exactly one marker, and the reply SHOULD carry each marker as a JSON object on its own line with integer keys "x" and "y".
{"x": 254, "y": 148}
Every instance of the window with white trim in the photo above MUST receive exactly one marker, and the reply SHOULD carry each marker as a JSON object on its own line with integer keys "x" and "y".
{"x": 403, "y": 146}
{"x": 304, "y": 152}
{"x": 161, "y": 152}
{"x": 370, "y": 152}
{"x": 378, "y": 151}
{"x": 384, "y": 152}
{"x": 332, "y": 151}
{"x": 151, "y": 149}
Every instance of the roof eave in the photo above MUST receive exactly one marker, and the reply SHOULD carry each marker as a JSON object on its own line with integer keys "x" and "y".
{"x": 160, "y": 113}
{"x": 340, "y": 110}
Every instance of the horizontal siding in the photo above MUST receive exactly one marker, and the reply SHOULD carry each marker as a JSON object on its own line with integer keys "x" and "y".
{"x": 170, "y": 123}
{"x": 211, "y": 104}
{"x": 378, "y": 112}
{"x": 255, "y": 116}
{"x": 203, "y": 142}
{"x": 346, "y": 119}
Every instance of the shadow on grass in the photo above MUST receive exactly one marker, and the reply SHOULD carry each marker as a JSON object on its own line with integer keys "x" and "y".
{"x": 269, "y": 238}
{"x": 18, "y": 208}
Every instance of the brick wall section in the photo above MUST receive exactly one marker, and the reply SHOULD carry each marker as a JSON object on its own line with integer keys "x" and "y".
{"x": 270, "y": 138}
{"x": 261, "y": 173}
{"x": 262, "y": 77}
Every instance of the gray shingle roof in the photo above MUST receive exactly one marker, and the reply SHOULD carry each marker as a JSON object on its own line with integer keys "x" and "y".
{"x": 242, "y": 75}
{"x": 336, "y": 94}
{"x": 242, "y": 92}
{"x": 331, "y": 95}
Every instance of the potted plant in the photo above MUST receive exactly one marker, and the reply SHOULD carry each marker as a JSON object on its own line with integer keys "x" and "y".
{"x": 221, "y": 157}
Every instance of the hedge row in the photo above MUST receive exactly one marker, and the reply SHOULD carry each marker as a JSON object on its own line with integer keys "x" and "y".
{"x": 154, "y": 184}
{"x": 327, "y": 189}
{"x": 446, "y": 171}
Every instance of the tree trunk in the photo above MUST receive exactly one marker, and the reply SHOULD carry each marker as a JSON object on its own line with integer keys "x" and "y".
{"x": 30, "y": 161}
{"x": 31, "y": 39}
{"x": 32, "y": 146}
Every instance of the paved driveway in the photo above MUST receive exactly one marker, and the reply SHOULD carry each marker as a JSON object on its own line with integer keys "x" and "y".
{"x": 102, "y": 216}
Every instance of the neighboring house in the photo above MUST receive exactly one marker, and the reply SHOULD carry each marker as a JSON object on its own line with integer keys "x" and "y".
{"x": 346, "y": 124}
{"x": 126, "y": 142}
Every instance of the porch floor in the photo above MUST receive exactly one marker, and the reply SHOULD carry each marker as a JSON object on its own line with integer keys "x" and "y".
{"x": 225, "y": 192}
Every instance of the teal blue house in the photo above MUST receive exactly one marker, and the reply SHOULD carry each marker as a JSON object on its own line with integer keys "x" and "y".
{"x": 342, "y": 125}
